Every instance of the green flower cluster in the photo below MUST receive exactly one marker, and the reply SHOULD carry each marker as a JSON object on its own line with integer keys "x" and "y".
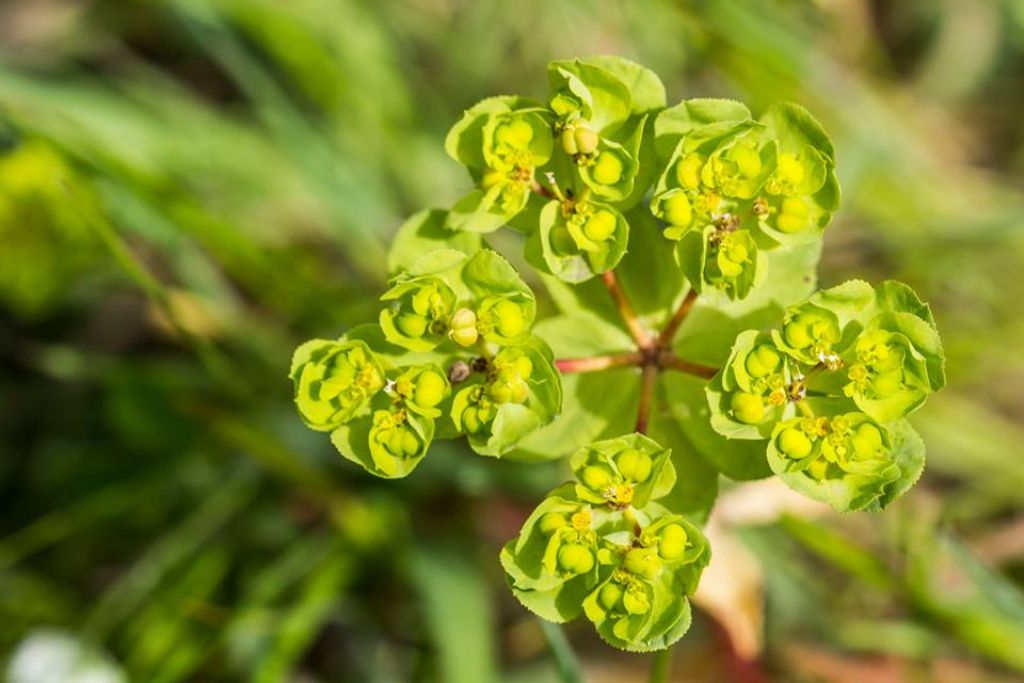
{"x": 562, "y": 171}
{"x": 831, "y": 389}
{"x": 734, "y": 188}
{"x": 452, "y": 355}
{"x": 570, "y": 172}
{"x": 601, "y": 547}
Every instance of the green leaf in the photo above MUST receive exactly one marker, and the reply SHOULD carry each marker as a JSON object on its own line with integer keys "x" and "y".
{"x": 606, "y": 100}
{"x": 646, "y": 89}
{"x": 708, "y": 333}
{"x": 423, "y": 233}
{"x": 483, "y": 211}
{"x": 675, "y": 122}
{"x": 737, "y": 459}
{"x": 795, "y": 127}
{"x": 598, "y": 404}
{"x": 695, "y": 488}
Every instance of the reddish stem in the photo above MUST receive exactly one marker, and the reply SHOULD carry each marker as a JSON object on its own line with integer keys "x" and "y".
{"x": 649, "y": 379}
{"x": 629, "y": 316}
{"x": 598, "y": 363}
{"x": 669, "y": 333}
{"x": 671, "y": 361}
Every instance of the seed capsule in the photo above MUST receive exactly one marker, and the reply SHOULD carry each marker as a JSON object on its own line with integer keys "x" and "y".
{"x": 597, "y": 477}
{"x": 610, "y": 596}
{"x": 672, "y": 545}
{"x": 793, "y": 216}
{"x": 471, "y": 420}
{"x": 430, "y": 389}
{"x": 688, "y": 171}
{"x": 747, "y": 408}
{"x": 608, "y": 169}
{"x": 634, "y": 465}
{"x": 523, "y": 367}
{"x": 411, "y": 325}
{"x": 643, "y": 562}
{"x": 677, "y": 210}
{"x": 794, "y": 444}
{"x": 762, "y": 361}
{"x": 552, "y": 522}
{"x": 789, "y": 170}
{"x": 748, "y": 160}
{"x": 575, "y": 559}
{"x": 600, "y": 226}
{"x": 510, "y": 319}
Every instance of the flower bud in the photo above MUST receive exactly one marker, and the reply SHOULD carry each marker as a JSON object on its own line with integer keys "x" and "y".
{"x": 794, "y": 444}
{"x": 610, "y": 596}
{"x": 677, "y": 210}
{"x": 597, "y": 477}
{"x": 600, "y": 225}
{"x": 762, "y": 361}
{"x": 747, "y": 408}
{"x": 575, "y": 559}
{"x": 579, "y": 138}
{"x": 552, "y": 522}
{"x": 463, "y": 328}
{"x": 643, "y": 562}
{"x": 672, "y": 545}
{"x": 634, "y": 465}
{"x": 607, "y": 169}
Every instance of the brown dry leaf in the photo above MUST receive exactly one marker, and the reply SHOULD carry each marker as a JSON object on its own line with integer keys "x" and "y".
{"x": 732, "y": 588}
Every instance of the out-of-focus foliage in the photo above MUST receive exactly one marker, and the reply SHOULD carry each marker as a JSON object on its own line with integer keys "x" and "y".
{"x": 190, "y": 187}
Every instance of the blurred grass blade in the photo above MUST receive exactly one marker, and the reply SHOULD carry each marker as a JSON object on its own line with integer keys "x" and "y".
{"x": 457, "y": 610}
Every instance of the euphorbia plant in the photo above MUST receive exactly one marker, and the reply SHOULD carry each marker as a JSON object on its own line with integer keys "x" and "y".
{"x": 679, "y": 244}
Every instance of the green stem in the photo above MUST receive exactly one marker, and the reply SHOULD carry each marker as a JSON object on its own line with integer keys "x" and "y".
{"x": 561, "y": 650}
{"x": 662, "y": 665}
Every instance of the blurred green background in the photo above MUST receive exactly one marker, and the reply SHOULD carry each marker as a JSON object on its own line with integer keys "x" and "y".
{"x": 188, "y": 188}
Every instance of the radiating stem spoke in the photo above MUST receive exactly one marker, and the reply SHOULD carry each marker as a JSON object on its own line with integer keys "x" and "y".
{"x": 629, "y": 316}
